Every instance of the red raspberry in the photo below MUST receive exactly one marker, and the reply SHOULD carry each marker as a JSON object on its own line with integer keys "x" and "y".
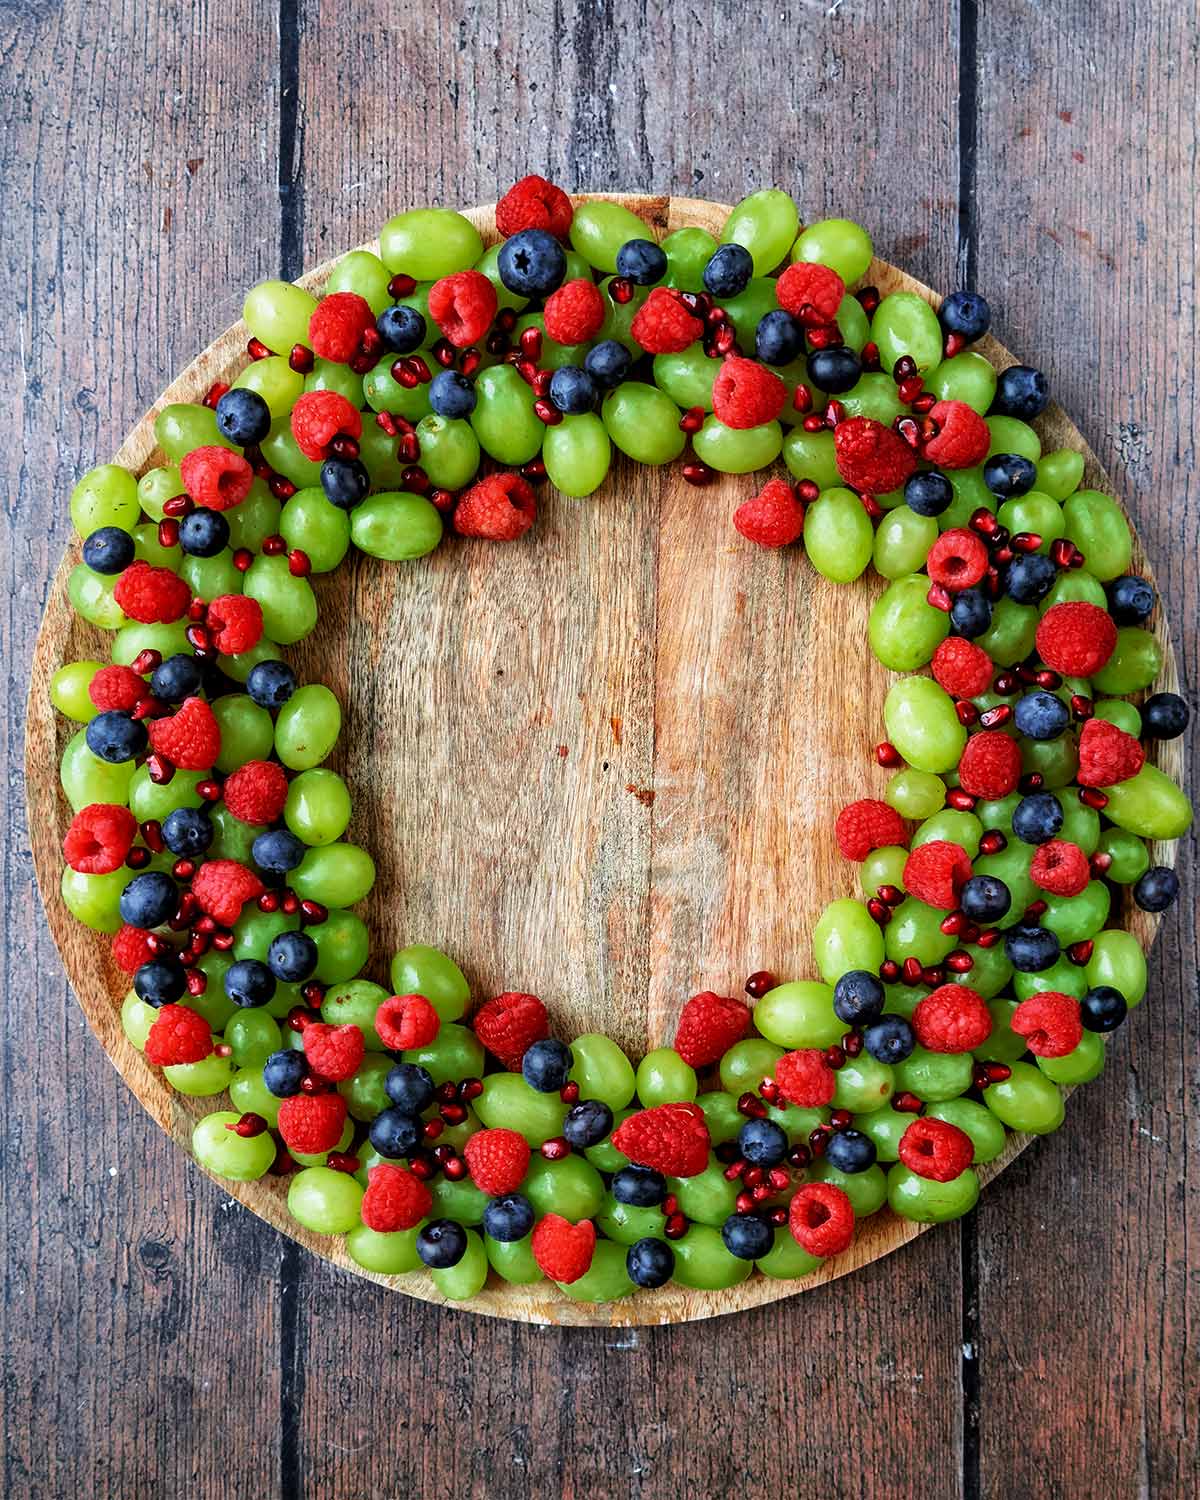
{"x": 153, "y": 596}
{"x": 255, "y": 793}
{"x": 509, "y": 1025}
{"x": 936, "y": 1150}
{"x": 962, "y": 668}
{"x": 935, "y": 873}
{"x": 216, "y": 477}
{"x": 871, "y": 457}
{"x": 821, "y": 1219}
{"x": 805, "y": 1078}
{"x": 963, "y": 438}
{"x": 957, "y": 560}
{"x": 99, "y": 838}
{"x": 952, "y": 1018}
{"x": 1060, "y": 868}
{"x": 563, "y": 1250}
{"x": 116, "y": 687}
{"x": 318, "y": 417}
{"x": 131, "y": 948}
{"x": 671, "y": 1138}
{"x": 335, "y": 1052}
{"x": 190, "y": 738}
{"x": 405, "y": 1022}
{"x": 1076, "y": 638}
{"x": 463, "y": 306}
{"x": 235, "y": 623}
{"x": 574, "y": 313}
{"x": 534, "y": 203}
{"x": 499, "y": 508}
{"x": 663, "y": 325}
{"x": 773, "y": 518}
{"x": 1107, "y": 755}
{"x": 990, "y": 766}
{"x": 747, "y": 394}
{"x": 709, "y": 1025}
{"x": 337, "y": 326}
{"x": 807, "y": 284}
{"x": 178, "y": 1035}
{"x": 222, "y": 887}
{"x": 394, "y": 1199}
{"x": 1049, "y": 1022}
{"x": 865, "y": 825}
{"x": 312, "y": 1123}
{"x": 497, "y": 1161}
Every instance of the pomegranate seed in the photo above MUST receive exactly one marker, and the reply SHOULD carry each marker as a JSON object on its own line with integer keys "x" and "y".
{"x": 1034, "y": 911}
{"x": 534, "y": 471}
{"x": 734, "y": 1170}
{"x": 178, "y": 506}
{"x": 137, "y": 859}
{"x": 760, "y": 1192}
{"x": 892, "y": 894}
{"x": 471, "y": 1088}
{"x": 889, "y": 971}
{"x": 675, "y": 1227}
{"x": 834, "y": 1057}
{"x": 159, "y": 769}
{"x": 868, "y": 299}
{"x": 994, "y": 717}
{"x": 290, "y": 903}
{"x": 959, "y": 962}
{"x": 1062, "y": 550}
{"x": 1092, "y": 796}
{"x": 933, "y": 974}
{"x": 256, "y": 349}
{"x": 445, "y": 353}
{"x": 924, "y": 403}
{"x": 966, "y": 711}
{"x": 146, "y": 661}
{"x": 545, "y": 412}
{"x": 273, "y": 546}
{"x": 1081, "y": 953}
{"x": 904, "y": 368}
{"x": 835, "y": 412}
{"x": 299, "y": 565}
{"x": 870, "y": 356}
{"x": 983, "y": 522}
{"x": 777, "y": 1218}
{"x": 408, "y": 448}
{"x": 813, "y": 423}
{"x": 248, "y": 1126}
{"x": 940, "y": 597}
{"x": 887, "y": 755}
{"x": 541, "y": 382}
{"x": 906, "y": 1103}
{"x": 692, "y": 419}
{"x": 301, "y": 359}
{"x": 878, "y": 911}
{"x": 908, "y": 390}
{"x": 620, "y": 290}
{"x": 198, "y": 638}
{"x": 313, "y": 912}
{"x": 992, "y": 842}
{"x": 531, "y": 343}
{"x": 802, "y": 398}
{"x": 807, "y": 491}
{"x": 1031, "y": 782}
{"x": 744, "y": 1202}
{"x": 828, "y": 336}
{"x": 799, "y": 1156}
{"x": 269, "y": 901}
{"x": 403, "y": 376}
{"x": 955, "y": 343}
{"x": 214, "y": 394}
{"x": 759, "y": 983}
{"x": 959, "y": 800}
{"x": 697, "y": 473}
{"x": 401, "y": 285}
{"x": 415, "y": 479}
{"x": 469, "y": 361}
{"x": 242, "y": 559}
{"x": 769, "y": 1091}
{"x": 952, "y": 923}
{"x": 1081, "y": 707}
{"x": 342, "y": 446}
{"x": 752, "y": 1176}
{"x": 752, "y": 1106}
{"x": 168, "y": 532}
{"x": 871, "y": 506}
{"x": 911, "y": 969}
{"x": 852, "y": 1044}
{"x": 569, "y": 1092}
{"x": 988, "y": 939}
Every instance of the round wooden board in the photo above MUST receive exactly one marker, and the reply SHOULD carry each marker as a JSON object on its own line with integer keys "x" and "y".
{"x": 599, "y": 766}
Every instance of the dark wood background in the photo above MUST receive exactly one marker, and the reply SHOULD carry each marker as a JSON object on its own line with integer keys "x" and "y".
{"x": 158, "y": 156}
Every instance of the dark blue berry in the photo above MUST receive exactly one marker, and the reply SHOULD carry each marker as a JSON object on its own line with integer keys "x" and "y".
{"x": 271, "y": 683}
{"x": 1037, "y": 818}
{"x": 1103, "y": 1008}
{"x": 1031, "y": 949}
{"x": 640, "y": 1187}
{"x": 545, "y": 1066}
{"x": 249, "y": 983}
{"x": 889, "y": 1040}
{"x": 292, "y": 957}
{"x": 971, "y": 613}
{"x": 928, "y": 494}
{"x": 1157, "y": 889}
{"x": 728, "y": 271}
{"x": 572, "y": 390}
{"x": 642, "y": 262}
{"x": 1130, "y": 599}
{"x": 284, "y": 1072}
{"x": 108, "y": 550}
{"x": 401, "y": 328}
{"x": 243, "y": 417}
{"x": 410, "y": 1087}
{"x": 177, "y": 678}
{"x": 747, "y": 1236}
{"x": 834, "y": 370}
{"x": 394, "y": 1132}
{"x": 1164, "y": 716}
{"x": 1022, "y": 392}
{"x": 452, "y": 395}
{"x": 1008, "y": 475}
{"x": 984, "y": 898}
{"x": 858, "y": 997}
{"x": 203, "y": 533}
{"x": 1030, "y": 578}
{"x": 509, "y": 1218}
{"x": 532, "y": 263}
{"x": 650, "y": 1262}
{"x": 187, "y": 831}
{"x": 345, "y": 482}
{"x": 115, "y": 737}
{"x": 967, "y": 314}
{"x": 608, "y": 363}
{"x": 762, "y": 1143}
{"x": 161, "y": 981}
{"x": 586, "y": 1124}
{"x": 149, "y": 900}
{"x": 850, "y": 1151}
{"x": 778, "y": 339}
{"x": 278, "y": 851}
{"x": 1041, "y": 715}
{"x": 441, "y": 1243}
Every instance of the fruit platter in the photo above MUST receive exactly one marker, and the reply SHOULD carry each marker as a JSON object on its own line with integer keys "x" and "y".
{"x": 474, "y": 965}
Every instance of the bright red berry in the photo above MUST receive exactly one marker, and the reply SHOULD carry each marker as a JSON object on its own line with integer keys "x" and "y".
{"x": 235, "y": 622}
{"x": 335, "y": 1052}
{"x": 990, "y": 766}
{"x": 312, "y": 1123}
{"x": 805, "y": 1078}
{"x": 747, "y": 394}
{"x": 1107, "y": 755}
{"x": 394, "y": 1199}
{"x": 153, "y": 596}
{"x": 99, "y": 838}
{"x": 463, "y": 306}
{"x": 936, "y": 1150}
{"x": 497, "y": 1160}
{"x": 178, "y": 1035}
{"x": 405, "y": 1022}
{"x": 963, "y": 438}
{"x": 131, "y": 948}
{"x": 871, "y": 457}
{"x": 806, "y": 284}
{"x": 563, "y": 1250}
{"x": 1076, "y": 638}
{"x": 216, "y": 477}
{"x": 337, "y": 326}
{"x": 318, "y": 417}
{"x": 534, "y": 203}
{"x": 935, "y": 872}
{"x": 1049, "y": 1022}
{"x": 222, "y": 887}
{"x": 952, "y": 1018}
{"x": 499, "y": 508}
{"x": 663, "y": 325}
{"x": 821, "y": 1219}
{"x": 957, "y": 560}
{"x": 509, "y": 1024}
{"x": 671, "y": 1138}
{"x": 116, "y": 687}
{"x": 574, "y": 313}
{"x": 962, "y": 668}
{"x": 773, "y": 517}
{"x": 866, "y": 825}
{"x": 255, "y": 792}
{"x": 190, "y": 738}
{"x": 709, "y": 1025}
{"x": 1060, "y": 867}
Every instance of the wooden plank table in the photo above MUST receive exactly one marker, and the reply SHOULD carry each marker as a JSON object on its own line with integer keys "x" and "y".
{"x": 157, "y": 158}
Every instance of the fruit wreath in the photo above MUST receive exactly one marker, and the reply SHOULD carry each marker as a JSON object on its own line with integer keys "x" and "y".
{"x": 438, "y": 384}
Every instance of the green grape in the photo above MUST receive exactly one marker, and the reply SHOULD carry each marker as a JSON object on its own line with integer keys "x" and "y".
{"x": 69, "y": 690}
{"x": 136, "y": 1020}
{"x": 969, "y": 377}
{"x": 428, "y": 243}
{"x": 800, "y": 1013}
{"x": 254, "y": 931}
{"x": 1134, "y": 664}
{"x": 86, "y": 778}
{"x": 599, "y": 229}
{"x": 156, "y": 487}
{"x": 862, "y": 1085}
{"x": 148, "y": 801}
{"x": 915, "y": 932}
{"x": 1010, "y": 638}
{"x": 732, "y": 450}
{"x": 1099, "y": 529}
{"x": 688, "y": 251}
{"x": 1034, "y": 512}
{"x": 902, "y": 999}
{"x": 335, "y": 875}
{"x": 1077, "y": 584}
{"x": 319, "y": 529}
{"x": 1056, "y": 761}
{"x": 605, "y": 1280}
{"x": 232, "y": 839}
{"x": 798, "y": 1123}
{"x": 786, "y": 1260}
{"x": 385, "y": 1254}
{"x": 289, "y": 605}
{"x": 225, "y": 1154}
{"x": 325, "y": 1201}
{"x": 644, "y": 423}
{"x": 605, "y": 1157}
{"x": 253, "y": 1035}
{"x": 327, "y": 376}
{"x": 504, "y": 420}
{"x": 366, "y": 275}
{"x": 838, "y": 536}
{"x": 467, "y": 1276}
{"x": 201, "y": 1080}
{"x": 457, "y": 1200}
{"x": 905, "y": 630}
{"x": 354, "y": 1003}
{"x": 396, "y": 527}
{"x": 342, "y": 947}
{"x": 1117, "y": 959}
{"x": 663, "y": 1077}
{"x": 281, "y": 1004}
{"x": 873, "y": 396}
{"x": 255, "y": 519}
{"x": 449, "y": 451}
{"x": 381, "y": 458}
{"x": 277, "y": 313}
{"x": 602, "y": 1070}
{"x": 422, "y": 970}
{"x": 721, "y": 1115}
{"x": 846, "y": 938}
{"x": 571, "y": 1187}
{"x": 307, "y": 727}
{"x": 213, "y": 1003}
{"x": 1003, "y": 1045}
{"x": 282, "y": 452}
{"x": 765, "y": 223}
{"x": 883, "y": 1128}
{"x": 105, "y": 496}
{"x": 247, "y": 732}
{"x": 383, "y": 392}
{"x": 853, "y": 323}
{"x": 706, "y": 1198}
{"x": 91, "y": 596}
{"x": 838, "y": 243}
{"x": 970, "y": 495}
{"x": 456, "y": 1052}
{"x": 1124, "y": 715}
{"x": 554, "y": 356}
{"x": 318, "y": 806}
{"x": 1149, "y": 804}
{"x": 883, "y": 867}
{"x": 275, "y": 381}
{"x": 915, "y": 794}
{"x": 990, "y": 974}
{"x": 1129, "y": 855}
{"x": 905, "y": 324}
{"x": 184, "y": 426}
{"x": 810, "y": 455}
{"x": 507, "y": 1100}
{"x": 513, "y": 1261}
{"x": 626, "y": 1224}
{"x": 1026, "y": 1101}
{"x": 619, "y": 316}
{"x": 749, "y": 307}
{"x": 902, "y": 543}
{"x": 577, "y": 454}
{"x": 1012, "y": 436}
{"x": 1059, "y": 473}
{"x": 867, "y": 1191}
{"x": 488, "y": 265}
{"x": 746, "y": 1064}
{"x": 1080, "y": 1066}
{"x": 934, "y": 1076}
{"x": 922, "y": 723}
{"x": 986, "y": 1132}
{"x": 930, "y": 1202}
{"x": 148, "y": 549}
{"x": 687, "y": 377}
{"x": 1075, "y": 918}
{"x": 238, "y": 668}
{"x": 702, "y": 1261}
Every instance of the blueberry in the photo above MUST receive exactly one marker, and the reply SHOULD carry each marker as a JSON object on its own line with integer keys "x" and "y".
{"x": 161, "y": 981}
{"x": 1103, "y": 1008}
{"x": 115, "y": 737}
{"x": 1164, "y": 716}
{"x": 642, "y": 262}
{"x": 1041, "y": 716}
{"x": 345, "y": 482}
{"x": 452, "y": 395}
{"x": 834, "y": 370}
{"x": 179, "y": 677}
{"x": 608, "y": 363}
{"x": 243, "y": 417}
{"x": 728, "y": 271}
{"x": 509, "y": 1218}
{"x": 778, "y": 339}
{"x": 249, "y": 983}
{"x": 889, "y": 1040}
{"x": 401, "y": 328}
{"x": 1022, "y": 392}
{"x": 394, "y": 1132}
{"x": 967, "y": 314}
{"x": 271, "y": 683}
{"x": 747, "y": 1236}
{"x": 640, "y": 1187}
{"x": 108, "y": 550}
{"x": 187, "y": 831}
{"x": 1130, "y": 599}
{"x": 278, "y": 851}
{"x": 283, "y": 1072}
{"x": 858, "y": 997}
{"x": 532, "y": 263}
{"x": 410, "y": 1087}
{"x": 1030, "y": 578}
{"x": 149, "y": 900}
{"x": 1037, "y": 818}
{"x": 1157, "y": 889}
{"x": 762, "y": 1143}
{"x": 850, "y": 1151}
{"x": 442, "y": 1243}
{"x": 545, "y": 1066}
{"x": 572, "y": 390}
{"x": 203, "y": 533}
{"x": 292, "y": 957}
{"x": 928, "y": 494}
{"x": 984, "y": 898}
{"x": 1031, "y": 949}
{"x": 971, "y": 613}
{"x": 650, "y": 1262}
{"x": 1008, "y": 475}
{"x": 587, "y": 1123}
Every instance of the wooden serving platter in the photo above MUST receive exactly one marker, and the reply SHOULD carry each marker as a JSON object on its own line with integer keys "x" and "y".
{"x": 600, "y": 765}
